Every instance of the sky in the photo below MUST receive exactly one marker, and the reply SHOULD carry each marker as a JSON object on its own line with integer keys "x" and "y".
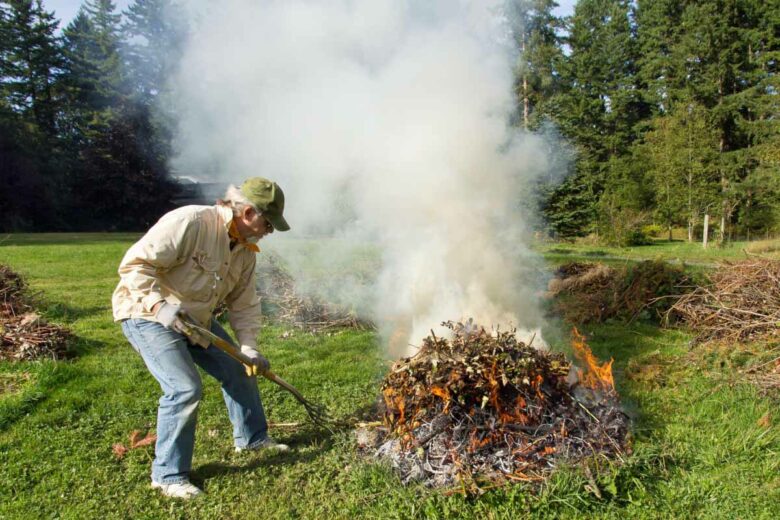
{"x": 65, "y": 10}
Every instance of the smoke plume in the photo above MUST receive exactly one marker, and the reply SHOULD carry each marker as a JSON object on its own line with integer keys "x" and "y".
{"x": 386, "y": 122}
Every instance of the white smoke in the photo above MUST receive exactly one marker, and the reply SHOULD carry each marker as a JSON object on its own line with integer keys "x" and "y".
{"x": 396, "y": 110}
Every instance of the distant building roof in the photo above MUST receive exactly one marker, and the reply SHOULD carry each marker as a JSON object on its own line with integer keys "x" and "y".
{"x": 192, "y": 191}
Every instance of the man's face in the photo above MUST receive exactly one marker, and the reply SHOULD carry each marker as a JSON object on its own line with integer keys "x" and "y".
{"x": 253, "y": 225}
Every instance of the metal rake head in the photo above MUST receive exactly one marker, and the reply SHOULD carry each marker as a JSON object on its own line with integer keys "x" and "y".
{"x": 318, "y": 414}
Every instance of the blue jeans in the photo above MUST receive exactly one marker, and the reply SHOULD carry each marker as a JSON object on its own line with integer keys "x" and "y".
{"x": 171, "y": 360}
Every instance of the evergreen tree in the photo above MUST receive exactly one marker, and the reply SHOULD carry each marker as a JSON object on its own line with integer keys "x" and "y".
{"x": 5, "y": 54}
{"x": 601, "y": 106}
{"x": 155, "y": 31}
{"x": 680, "y": 156}
{"x": 661, "y": 73}
{"x": 81, "y": 79}
{"x": 122, "y": 186}
{"x": 121, "y": 159}
{"x": 758, "y": 191}
{"x": 534, "y": 29}
{"x": 715, "y": 46}
{"x": 26, "y": 187}
{"x": 30, "y": 60}
{"x": 103, "y": 39}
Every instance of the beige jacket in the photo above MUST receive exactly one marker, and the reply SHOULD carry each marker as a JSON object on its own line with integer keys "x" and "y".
{"x": 185, "y": 258}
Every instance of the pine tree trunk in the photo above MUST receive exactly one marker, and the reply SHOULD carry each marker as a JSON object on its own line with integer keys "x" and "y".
{"x": 691, "y": 226}
{"x": 691, "y": 214}
{"x": 525, "y": 89}
{"x": 723, "y": 179}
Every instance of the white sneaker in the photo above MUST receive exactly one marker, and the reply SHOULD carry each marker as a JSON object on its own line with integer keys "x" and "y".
{"x": 185, "y": 490}
{"x": 266, "y": 444}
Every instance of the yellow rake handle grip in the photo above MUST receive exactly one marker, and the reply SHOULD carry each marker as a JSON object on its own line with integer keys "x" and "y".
{"x": 192, "y": 330}
{"x": 249, "y": 366}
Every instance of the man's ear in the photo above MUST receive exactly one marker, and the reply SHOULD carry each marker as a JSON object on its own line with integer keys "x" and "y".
{"x": 246, "y": 213}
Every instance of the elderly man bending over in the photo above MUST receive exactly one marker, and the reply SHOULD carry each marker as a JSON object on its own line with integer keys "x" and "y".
{"x": 190, "y": 261}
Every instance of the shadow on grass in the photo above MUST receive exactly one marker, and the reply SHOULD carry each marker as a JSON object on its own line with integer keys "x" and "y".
{"x": 55, "y": 239}
{"x": 635, "y": 348}
{"x": 559, "y": 251}
{"x": 628, "y": 344}
{"x": 323, "y": 440}
{"x": 49, "y": 376}
{"x": 63, "y": 313}
{"x": 647, "y": 368}
{"x": 308, "y": 436}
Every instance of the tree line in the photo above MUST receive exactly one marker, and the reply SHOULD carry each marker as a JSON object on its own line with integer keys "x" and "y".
{"x": 670, "y": 107}
{"x": 84, "y": 137}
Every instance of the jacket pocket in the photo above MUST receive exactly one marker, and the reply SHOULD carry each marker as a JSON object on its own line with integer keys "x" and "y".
{"x": 203, "y": 278}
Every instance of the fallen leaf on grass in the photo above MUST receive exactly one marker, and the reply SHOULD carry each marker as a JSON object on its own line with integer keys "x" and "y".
{"x": 764, "y": 422}
{"x": 136, "y": 441}
{"x": 119, "y": 450}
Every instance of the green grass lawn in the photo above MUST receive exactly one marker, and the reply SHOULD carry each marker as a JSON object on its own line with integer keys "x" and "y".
{"x": 676, "y": 251}
{"x": 700, "y": 447}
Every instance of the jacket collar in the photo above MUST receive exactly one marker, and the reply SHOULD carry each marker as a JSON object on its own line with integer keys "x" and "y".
{"x": 227, "y": 216}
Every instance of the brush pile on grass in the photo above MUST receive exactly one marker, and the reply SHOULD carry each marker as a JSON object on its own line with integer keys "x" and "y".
{"x": 23, "y": 334}
{"x": 287, "y": 305}
{"x": 740, "y": 302}
{"x": 594, "y": 292}
{"x": 484, "y": 408}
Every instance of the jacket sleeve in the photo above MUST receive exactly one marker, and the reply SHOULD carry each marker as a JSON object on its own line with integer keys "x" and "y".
{"x": 167, "y": 244}
{"x": 243, "y": 305}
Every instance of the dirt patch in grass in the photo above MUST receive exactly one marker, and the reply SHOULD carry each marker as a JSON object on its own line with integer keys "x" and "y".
{"x": 13, "y": 382}
{"x": 653, "y": 370}
{"x": 756, "y": 362}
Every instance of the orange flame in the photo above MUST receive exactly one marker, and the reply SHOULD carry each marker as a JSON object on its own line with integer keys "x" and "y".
{"x": 596, "y": 376}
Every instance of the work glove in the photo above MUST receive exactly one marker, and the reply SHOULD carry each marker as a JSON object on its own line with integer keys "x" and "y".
{"x": 257, "y": 358}
{"x": 171, "y": 316}
{"x": 168, "y": 316}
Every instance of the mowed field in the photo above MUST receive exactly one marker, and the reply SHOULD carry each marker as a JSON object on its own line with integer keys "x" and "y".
{"x": 705, "y": 442}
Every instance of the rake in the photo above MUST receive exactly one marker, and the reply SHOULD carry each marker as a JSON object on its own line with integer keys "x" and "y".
{"x": 317, "y": 412}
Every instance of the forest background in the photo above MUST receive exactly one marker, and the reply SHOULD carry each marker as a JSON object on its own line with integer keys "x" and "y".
{"x": 666, "y": 110}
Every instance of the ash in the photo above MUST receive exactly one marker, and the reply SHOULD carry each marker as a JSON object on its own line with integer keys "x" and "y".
{"x": 487, "y": 407}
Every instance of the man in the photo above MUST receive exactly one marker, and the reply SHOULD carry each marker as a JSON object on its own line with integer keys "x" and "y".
{"x": 190, "y": 261}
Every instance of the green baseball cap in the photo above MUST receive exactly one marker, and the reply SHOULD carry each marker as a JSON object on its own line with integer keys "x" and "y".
{"x": 268, "y": 197}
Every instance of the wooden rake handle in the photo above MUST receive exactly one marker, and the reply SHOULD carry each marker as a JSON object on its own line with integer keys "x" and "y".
{"x": 190, "y": 329}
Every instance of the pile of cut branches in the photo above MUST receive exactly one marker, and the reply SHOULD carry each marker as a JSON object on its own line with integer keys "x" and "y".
{"x": 594, "y": 292}
{"x": 484, "y": 406}
{"x": 287, "y": 305}
{"x": 739, "y": 302}
{"x": 24, "y": 335}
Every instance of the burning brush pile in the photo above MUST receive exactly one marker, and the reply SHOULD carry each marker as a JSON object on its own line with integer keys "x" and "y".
{"x": 23, "y": 334}
{"x": 484, "y": 406}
